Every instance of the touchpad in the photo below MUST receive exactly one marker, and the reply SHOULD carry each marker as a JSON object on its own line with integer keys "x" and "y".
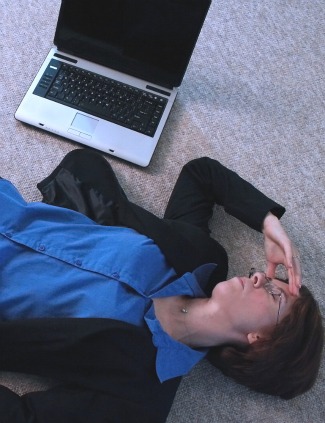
{"x": 84, "y": 123}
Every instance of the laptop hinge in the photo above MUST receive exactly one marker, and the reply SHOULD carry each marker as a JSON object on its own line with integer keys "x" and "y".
{"x": 157, "y": 90}
{"x": 68, "y": 59}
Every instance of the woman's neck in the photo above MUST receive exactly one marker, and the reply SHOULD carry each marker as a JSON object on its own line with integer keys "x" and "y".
{"x": 194, "y": 322}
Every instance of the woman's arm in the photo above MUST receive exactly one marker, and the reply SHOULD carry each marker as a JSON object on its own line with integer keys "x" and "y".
{"x": 103, "y": 366}
{"x": 71, "y": 405}
{"x": 205, "y": 182}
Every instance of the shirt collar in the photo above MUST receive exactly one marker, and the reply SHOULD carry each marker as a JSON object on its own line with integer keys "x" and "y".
{"x": 189, "y": 284}
{"x": 175, "y": 358}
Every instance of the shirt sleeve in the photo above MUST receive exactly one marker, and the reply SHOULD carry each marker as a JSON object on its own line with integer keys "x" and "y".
{"x": 72, "y": 404}
{"x": 239, "y": 197}
{"x": 205, "y": 182}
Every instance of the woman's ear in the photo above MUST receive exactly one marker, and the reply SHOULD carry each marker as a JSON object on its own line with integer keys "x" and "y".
{"x": 253, "y": 337}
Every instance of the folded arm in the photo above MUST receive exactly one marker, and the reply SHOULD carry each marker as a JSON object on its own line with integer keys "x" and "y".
{"x": 205, "y": 182}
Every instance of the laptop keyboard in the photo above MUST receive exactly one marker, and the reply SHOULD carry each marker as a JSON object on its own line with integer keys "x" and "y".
{"x": 105, "y": 98}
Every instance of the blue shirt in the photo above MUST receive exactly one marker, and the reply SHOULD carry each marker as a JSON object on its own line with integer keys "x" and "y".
{"x": 56, "y": 262}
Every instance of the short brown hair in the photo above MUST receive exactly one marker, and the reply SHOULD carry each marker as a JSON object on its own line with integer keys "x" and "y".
{"x": 287, "y": 363}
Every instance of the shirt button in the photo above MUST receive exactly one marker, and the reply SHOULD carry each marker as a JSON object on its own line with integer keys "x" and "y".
{"x": 115, "y": 275}
{"x": 9, "y": 234}
{"x": 41, "y": 247}
{"x": 78, "y": 262}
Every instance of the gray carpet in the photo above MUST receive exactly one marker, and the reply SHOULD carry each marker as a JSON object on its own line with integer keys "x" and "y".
{"x": 253, "y": 98}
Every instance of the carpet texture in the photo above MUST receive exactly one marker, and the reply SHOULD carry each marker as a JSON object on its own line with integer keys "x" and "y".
{"x": 253, "y": 98}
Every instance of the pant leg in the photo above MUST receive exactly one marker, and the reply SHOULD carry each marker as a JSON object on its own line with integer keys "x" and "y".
{"x": 84, "y": 181}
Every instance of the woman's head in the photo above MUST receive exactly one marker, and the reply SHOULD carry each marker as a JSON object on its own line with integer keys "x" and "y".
{"x": 251, "y": 305}
{"x": 286, "y": 362}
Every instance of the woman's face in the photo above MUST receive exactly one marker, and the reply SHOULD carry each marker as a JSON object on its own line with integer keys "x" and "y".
{"x": 249, "y": 306}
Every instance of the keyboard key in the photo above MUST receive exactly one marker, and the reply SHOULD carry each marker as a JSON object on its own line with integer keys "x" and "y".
{"x": 105, "y": 98}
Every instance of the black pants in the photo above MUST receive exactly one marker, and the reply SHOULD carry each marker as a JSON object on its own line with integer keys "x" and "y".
{"x": 84, "y": 181}
{"x": 87, "y": 171}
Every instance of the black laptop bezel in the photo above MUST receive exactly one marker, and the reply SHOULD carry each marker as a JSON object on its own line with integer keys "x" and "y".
{"x": 95, "y": 51}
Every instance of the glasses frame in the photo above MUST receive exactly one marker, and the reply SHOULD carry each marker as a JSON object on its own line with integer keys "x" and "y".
{"x": 270, "y": 288}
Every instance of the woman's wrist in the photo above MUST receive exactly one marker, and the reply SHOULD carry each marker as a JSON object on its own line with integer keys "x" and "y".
{"x": 269, "y": 219}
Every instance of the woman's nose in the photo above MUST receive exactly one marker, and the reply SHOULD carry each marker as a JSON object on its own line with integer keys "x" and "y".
{"x": 258, "y": 279}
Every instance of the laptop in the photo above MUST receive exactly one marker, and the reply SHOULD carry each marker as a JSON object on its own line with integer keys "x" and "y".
{"x": 114, "y": 72}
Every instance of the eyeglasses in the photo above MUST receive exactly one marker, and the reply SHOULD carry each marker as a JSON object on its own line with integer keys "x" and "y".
{"x": 270, "y": 287}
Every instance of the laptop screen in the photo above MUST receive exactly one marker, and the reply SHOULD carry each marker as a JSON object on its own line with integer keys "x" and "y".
{"x": 149, "y": 39}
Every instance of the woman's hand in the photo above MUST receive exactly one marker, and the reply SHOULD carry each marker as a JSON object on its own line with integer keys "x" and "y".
{"x": 280, "y": 250}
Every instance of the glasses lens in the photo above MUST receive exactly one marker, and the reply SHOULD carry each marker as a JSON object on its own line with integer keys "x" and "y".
{"x": 271, "y": 288}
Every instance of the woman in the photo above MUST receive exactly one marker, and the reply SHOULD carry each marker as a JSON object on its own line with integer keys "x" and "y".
{"x": 244, "y": 324}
